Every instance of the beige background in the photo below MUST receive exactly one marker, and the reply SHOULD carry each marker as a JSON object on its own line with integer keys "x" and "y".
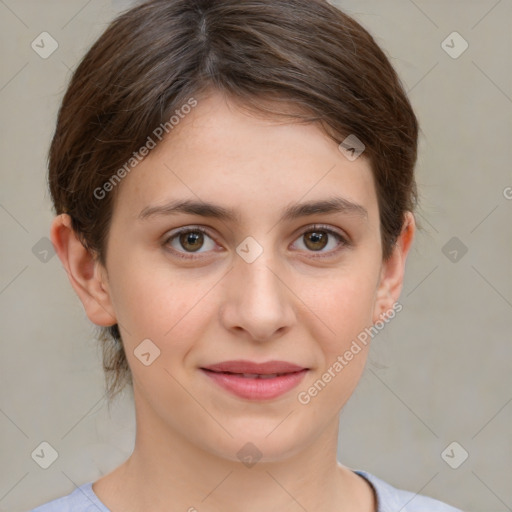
{"x": 440, "y": 372}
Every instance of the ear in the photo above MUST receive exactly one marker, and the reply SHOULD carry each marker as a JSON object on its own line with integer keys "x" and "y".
{"x": 86, "y": 275}
{"x": 393, "y": 269}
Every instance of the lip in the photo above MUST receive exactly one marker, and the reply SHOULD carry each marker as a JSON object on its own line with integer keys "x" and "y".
{"x": 256, "y": 388}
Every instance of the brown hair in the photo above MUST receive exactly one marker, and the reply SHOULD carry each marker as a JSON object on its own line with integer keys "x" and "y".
{"x": 305, "y": 54}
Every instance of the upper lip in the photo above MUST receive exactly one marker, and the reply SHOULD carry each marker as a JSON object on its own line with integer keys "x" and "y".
{"x": 242, "y": 366}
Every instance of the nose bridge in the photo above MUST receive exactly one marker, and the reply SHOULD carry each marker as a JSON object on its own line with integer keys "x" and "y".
{"x": 256, "y": 258}
{"x": 260, "y": 277}
{"x": 261, "y": 283}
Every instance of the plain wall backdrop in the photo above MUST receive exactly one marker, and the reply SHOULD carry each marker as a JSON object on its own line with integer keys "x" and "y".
{"x": 440, "y": 372}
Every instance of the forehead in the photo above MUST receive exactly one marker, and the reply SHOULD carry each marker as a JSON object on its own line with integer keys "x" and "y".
{"x": 221, "y": 154}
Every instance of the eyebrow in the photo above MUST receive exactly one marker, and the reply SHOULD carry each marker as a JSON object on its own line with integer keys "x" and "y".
{"x": 291, "y": 212}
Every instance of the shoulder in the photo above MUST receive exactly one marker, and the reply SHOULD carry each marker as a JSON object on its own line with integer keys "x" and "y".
{"x": 82, "y": 499}
{"x": 390, "y": 499}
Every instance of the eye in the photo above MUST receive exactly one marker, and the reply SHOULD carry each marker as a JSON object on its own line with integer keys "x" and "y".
{"x": 318, "y": 237}
{"x": 191, "y": 239}
{"x": 187, "y": 241}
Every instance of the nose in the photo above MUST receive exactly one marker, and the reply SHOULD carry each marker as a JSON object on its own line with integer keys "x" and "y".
{"x": 259, "y": 302}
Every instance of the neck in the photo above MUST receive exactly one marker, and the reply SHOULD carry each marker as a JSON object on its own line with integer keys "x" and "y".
{"x": 167, "y": 470}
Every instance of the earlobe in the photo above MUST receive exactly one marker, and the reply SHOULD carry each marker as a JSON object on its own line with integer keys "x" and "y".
{"x": 85, "y": 273}
{"x": 393, "y": 269}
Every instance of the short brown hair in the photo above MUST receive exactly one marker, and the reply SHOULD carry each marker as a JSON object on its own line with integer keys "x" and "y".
{"x": 154, "y": 57}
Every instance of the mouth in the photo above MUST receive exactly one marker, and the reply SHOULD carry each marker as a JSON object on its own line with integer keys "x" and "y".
{"x": 252, "y": 384}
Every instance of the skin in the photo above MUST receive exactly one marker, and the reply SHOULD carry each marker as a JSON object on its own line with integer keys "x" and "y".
{"x": 289, "y": 304}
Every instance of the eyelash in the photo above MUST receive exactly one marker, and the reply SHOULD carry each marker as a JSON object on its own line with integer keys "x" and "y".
{"x": 343, "y": 242}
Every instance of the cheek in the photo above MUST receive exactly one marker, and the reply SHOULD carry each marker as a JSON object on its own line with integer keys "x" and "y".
{"x": 344, "y": 305}
{"x": 153, "y": 302}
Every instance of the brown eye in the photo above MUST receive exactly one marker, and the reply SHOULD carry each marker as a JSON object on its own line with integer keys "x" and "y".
{"x": 190, "y": 240}
{"x": 317, "y": 238}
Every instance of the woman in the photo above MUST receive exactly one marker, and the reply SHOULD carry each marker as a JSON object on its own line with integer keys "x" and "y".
{"x": 234, "y": 189}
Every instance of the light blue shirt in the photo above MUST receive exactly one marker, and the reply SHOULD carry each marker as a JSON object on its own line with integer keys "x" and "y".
{"x": 389, "y": 499}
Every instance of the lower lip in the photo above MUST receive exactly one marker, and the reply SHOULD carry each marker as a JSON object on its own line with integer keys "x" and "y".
{"x": 256, "y": 389}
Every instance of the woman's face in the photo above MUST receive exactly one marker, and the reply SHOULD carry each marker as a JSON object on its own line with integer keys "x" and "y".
{"x": 261, "y": 284}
